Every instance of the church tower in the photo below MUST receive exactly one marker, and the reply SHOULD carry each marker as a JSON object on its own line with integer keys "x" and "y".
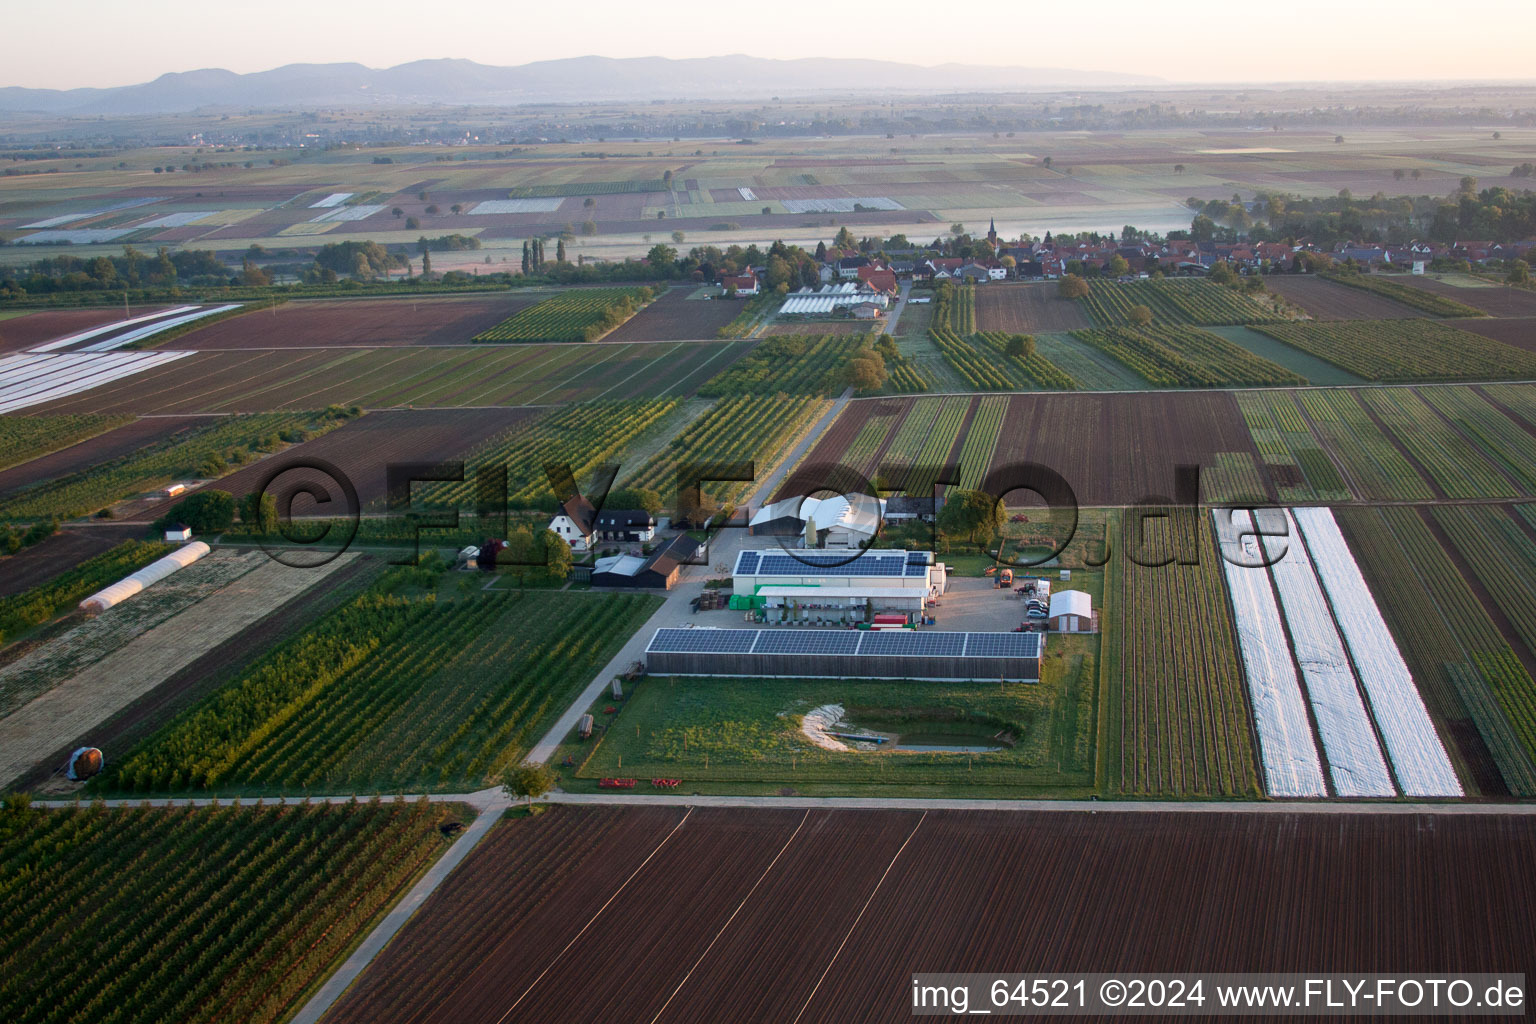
{"x": 992, "y": 233}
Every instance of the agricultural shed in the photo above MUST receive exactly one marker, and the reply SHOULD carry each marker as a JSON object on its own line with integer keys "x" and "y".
{"x": 846, "y": 521}
{"x": 845, "y": 653}
{"x": 659, "y": 571}
{"x": 177, "y": 533}
{"x": 869, "y": 571}
{"x": 1071, "y": 611}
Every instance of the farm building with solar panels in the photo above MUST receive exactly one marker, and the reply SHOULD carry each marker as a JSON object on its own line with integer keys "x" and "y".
{"x": 837, "y": 587}
{"x": 845, "y": 654}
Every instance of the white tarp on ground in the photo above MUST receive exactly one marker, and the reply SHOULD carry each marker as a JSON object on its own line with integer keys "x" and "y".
{"x": 28, "y": 380}
{"x": 1417, "y": 755}
{"x": 150, "y": 330}
{"x": 176, "y": 220}
{"x": 95, "y": 332}
{"x": 341, "y": 213}
{"x": 840, "y": 205}
{"x": 548, "y": 204}
{"x": 747, "y": 194}
{"x": 1354, "y": 757}
{"x": 1286, "y": 750}
{"x": 334, "y": 199}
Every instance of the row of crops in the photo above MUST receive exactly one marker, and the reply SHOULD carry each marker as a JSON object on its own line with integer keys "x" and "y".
{"x": 1406, "y": 350}
{"x": 144, "y": 915}
{"x": 396, "y": 689}
{"x": 1418, "y": 298}
{"x": 983, "y": 362}
{"x": 1464, "y": 667}
{"x": 26, "y": 437}
{"x": 1376, "y": 469}
{"x": 583, "y": 436}
{"x": 1202, "y": 303}
{"x": 1186, "y": 357}
{"x": 739, "y": 428}
{"x": 792, "y": 364}
{"x": 21, "y": 612}
{"x": 1035, "y": 369}
{"x": 207, "y": 451}
{"x": 1452, "y": 461}
{"x": 1296, "y": 461}
{"x": 581, "y": 314}
{"x": 1182, "y": 725}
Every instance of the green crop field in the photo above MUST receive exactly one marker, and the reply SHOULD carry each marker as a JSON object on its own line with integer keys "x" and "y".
{"x": 1186, "y": 357}
{"x": 1502, "y": 558}
{"x": 983, "y": 362}
{"x": 1180, "y": 726}
{"x": 792, "y": 364}
{"x": 398, "y": 689}
{"x": 581, "y": 314}
{"x": 208, "y": 451}
{"x": 163, "y": 916}
{"x": 734, "y": 429}
{"x": 1202, "y": 303}
{"x": 1372, "y": 464}
{"x": 1446, "y": 455}
{"x": 1503, "y": 441}
{"x": 1462, "y": 665}
{"x": 1406, "y": 350}
{"x": 26, "y": 437}
{"x": 1300, "y": 467}
{"x": 1418, "y": 298}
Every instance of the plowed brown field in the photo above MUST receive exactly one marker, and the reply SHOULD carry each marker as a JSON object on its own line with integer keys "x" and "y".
{"x": 1026, "y": 309}
{"x": 667, "y": 914}
{"x": 1324, "y": 300}
{"x": 356, "y": 323}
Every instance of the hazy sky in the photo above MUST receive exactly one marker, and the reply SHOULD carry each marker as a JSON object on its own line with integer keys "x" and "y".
{"x": 107, "y": 42}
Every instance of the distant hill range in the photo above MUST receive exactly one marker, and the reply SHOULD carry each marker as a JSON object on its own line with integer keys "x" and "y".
{"x": 463, "y": 82}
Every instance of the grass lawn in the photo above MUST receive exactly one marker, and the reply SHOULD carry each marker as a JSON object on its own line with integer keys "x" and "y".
{"x": 1318, "y": 371}
{"x": 743, "y": 735}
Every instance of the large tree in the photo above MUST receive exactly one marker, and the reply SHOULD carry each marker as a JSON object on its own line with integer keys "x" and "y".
{"x": 974, "y": 516}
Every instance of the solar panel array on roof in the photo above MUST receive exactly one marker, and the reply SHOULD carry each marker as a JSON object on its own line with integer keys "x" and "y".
{"x": 812, "y": 563}
{"x": 845, "y": 643}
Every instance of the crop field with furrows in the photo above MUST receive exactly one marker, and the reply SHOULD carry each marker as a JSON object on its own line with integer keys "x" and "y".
{"x": 578, "y": 315}
{"x": 363, "y": 450}
{"x": 1494, "y": 300}
{"x": 1092, "y": 369}
{"x": 676, "y": 315}
{"x": 1519, "y": 399}
{"x": 37, "y": 564}
{"x": 582, "y": 437}
{"x": 1121, "y": 449}
{"x": 1321, "y": 299}
{"x": 408, "y": 376}
{"x": 1500, "y": 560}
{"x": 1452, "y": 461}
{"x": 395, "y": 690}
{"x": 1373, "y": 467}
{"x": 1027, "y": 309}
{"x": 1472, "y": 682}
{"x": 205, "y": 452}
{"x": 1293, "y": 457}
{"x": 982, "y": 361}
{"x": 797, "y": 364}
{"x": 356, "y": 323}
{"x": 675, "y": 904}
{"x": 23, "y": 438}
{"x": 221, "y": 913}
{"x": 1181, "y": 725}
{"x": 1201, "y": 303}
{"x": 1406, "y": 350}
{"x": 1519, "y": 332}
{"x": 1186, "y": 357}
{"x": 1430, "y": 302}
{"x": 31, "y": 329}
{"x": 742, "y": 428}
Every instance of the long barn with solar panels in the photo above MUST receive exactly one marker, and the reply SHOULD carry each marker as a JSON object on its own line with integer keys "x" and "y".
{"x": 845, "y": 654}
{"x": 833, "y": 581}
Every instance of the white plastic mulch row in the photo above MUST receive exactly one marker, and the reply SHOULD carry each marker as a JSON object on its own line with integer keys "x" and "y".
{"x": 65, "y": 342}
{"x": 1417, "y": 755}
{"x": 341, "y": 213}
{"x": 28, "y": 380}
{"x": 150, "y": 330}
{"x": 70, "y": 218}
{"x": 1343, "y": 723}
{"x": 840, "y": 205}
{"x": 1286, "y": 750}
{"x": 746, "y": 194}
{"x": 334, "y": 199}
{"x": 548, "y": 204}
{"x": 176, "y": 220}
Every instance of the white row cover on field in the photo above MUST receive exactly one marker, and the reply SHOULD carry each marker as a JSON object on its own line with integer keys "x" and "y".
{"x": 29, "y": 379}
{"x": 1417, "y": 755}
{"x": 96, "y": 332}
{"x": 1286, "y": 749}
{"x": 151, "y": 574}
{"x": 334, "y": 199}
{"x": 1349, "y": 741}
{"x": 150, "y": 330}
